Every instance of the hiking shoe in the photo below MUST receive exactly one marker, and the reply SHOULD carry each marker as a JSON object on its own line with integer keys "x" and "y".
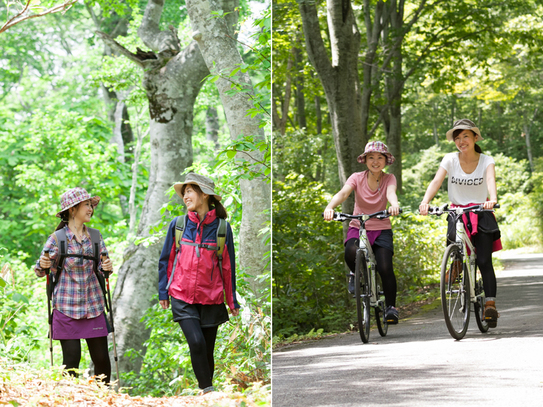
{"x": 350, "y": 286}
{"x": 491, "y": 314}
{"x": 391, "y": 315}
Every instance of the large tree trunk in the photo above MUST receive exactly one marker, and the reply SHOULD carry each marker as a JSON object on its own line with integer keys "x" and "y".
{"x": 527, "y": 129}
{"x": 395, "y": 86}
{"x": 280, "y": 123}
{"x": 172, "y": 80}
{"x": 115, "y": 107}
{"x": 221, "y": 54}
{"x": 212, "y": 126}
{"x": 340, "y": 81}
{"x": 300, "y": 99}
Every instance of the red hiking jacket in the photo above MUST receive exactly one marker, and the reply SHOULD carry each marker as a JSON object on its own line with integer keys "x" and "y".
{"x": 197, "y": 277}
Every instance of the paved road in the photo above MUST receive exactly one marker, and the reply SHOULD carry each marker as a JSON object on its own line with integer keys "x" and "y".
{"x": 419, "y": 364}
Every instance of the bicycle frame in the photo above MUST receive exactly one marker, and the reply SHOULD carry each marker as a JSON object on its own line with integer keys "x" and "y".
{"x": 365, "y": 246}
{"x": 464, "y": 243}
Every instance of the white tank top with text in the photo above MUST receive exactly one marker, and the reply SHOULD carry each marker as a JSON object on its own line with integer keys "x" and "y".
{"x": 466, "y": 188}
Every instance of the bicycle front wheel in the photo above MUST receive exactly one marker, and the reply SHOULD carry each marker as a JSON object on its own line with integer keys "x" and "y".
{"x": 362, "y": 294}
{"x": 455, "y": 292}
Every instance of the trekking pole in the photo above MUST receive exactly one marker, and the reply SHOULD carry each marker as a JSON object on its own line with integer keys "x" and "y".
{"x": 106, "y": 275}
{"x": 49, "y": 314}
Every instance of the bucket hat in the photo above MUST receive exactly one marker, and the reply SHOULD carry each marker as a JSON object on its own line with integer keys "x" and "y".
{"x": 376, "y": 147}
{"x": 206, "y": 185}
{"x": 74, "y": 196}
{"x": 464, "y": 124}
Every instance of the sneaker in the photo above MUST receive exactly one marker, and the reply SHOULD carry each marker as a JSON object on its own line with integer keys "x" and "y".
{"x": 491, "y": 314}
{"x": 350, "y": 287}
{"x": 391, "y": 315}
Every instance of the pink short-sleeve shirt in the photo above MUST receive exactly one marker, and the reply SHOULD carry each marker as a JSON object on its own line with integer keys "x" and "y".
{"x": 367, "y": 201}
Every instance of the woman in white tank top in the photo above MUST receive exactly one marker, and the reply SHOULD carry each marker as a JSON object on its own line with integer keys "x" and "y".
{"x": 471, "y": 181}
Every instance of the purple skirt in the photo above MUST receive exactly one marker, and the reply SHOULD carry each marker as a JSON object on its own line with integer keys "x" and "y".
{"x": 65, "y": 327}
{"x": 354, "y": 233}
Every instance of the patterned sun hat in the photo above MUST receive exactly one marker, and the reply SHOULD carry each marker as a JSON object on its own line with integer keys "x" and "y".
{"x": 376, "y": 147}
{"x": 73, "y": 196}
{"x": 206, "y": 185}
{"x": 464, "y": 124}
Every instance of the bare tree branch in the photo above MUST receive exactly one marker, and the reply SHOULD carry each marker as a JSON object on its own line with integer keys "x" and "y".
{"x": 22, "y": 15}
{"x": 120, "y": 49}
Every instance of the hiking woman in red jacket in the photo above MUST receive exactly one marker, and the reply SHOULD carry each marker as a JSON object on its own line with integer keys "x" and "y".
{"x": 189, "y": 272}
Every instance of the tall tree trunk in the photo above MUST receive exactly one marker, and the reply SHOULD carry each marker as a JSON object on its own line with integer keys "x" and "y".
{"x": 212, "y": 126}
{"x": 340, "y": 81}
{"x": 321, "y": 166}
{"x": 172, "y": 80}
{"x": 300, "y": 100}
{"x": 280, "y": 123}
{"x": 434, "y": 119}
{"x": 395, "y": 90}
{"x": 453, "y": 109}
{"x": 220, "y": 51}
{"x": 115, "y": 107}
{"x": 527, "y": 129}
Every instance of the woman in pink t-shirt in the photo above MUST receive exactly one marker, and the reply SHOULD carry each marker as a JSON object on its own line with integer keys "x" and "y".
{"x": 373, "y": 188}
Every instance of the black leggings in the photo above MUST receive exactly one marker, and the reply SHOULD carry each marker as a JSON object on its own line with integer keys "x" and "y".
{"x": 201, "y": 344}
{"x": 483, "y": 244}
{"x": 71, "y": 355}
{"x": 383, "y": 257}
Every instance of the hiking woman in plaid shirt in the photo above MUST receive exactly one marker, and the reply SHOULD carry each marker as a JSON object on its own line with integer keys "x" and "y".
{"x": 78, "y": 300}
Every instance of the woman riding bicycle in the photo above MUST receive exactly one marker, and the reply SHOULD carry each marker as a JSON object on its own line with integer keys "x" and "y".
{"x": 372, "y": 189}
{"x": 472, "y": 178}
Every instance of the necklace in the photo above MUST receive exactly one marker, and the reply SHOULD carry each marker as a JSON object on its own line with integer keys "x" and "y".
{"x": 378, "y": 179}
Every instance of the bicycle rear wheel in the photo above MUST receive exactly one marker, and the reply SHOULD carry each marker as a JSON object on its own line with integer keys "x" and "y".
{"x": 382, "y": 324}
{"x": 479, "y": 306}
{"x": 455, "y": 293}
{"x": 361, "y": 292}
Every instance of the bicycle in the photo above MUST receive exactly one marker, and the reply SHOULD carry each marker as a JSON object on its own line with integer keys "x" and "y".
{"x": 367, "y": 283}
{"x": 461, "y": 286}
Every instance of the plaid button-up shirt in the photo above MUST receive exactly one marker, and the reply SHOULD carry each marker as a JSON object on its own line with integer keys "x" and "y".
{"x": 78, "y": 293}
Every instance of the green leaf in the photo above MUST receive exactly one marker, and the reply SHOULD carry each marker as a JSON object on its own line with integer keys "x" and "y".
{"x": 17, "y": 297}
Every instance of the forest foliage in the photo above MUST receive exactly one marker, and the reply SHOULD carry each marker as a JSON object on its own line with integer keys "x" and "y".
{"x": 55, "y": 133}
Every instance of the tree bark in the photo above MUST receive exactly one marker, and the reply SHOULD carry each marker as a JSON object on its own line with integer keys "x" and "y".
{"x": 212, "y": 126}
{"x": 340, "y": 81}
{"x": 527, "y": 129}
{"x": 115, "y": 107}
{"x": 221, "y": 54}
{"x": 395, "y": 89}
{"x": 172, "y": 80}
{"x": 280, "y": 123}
{"x": 299, "y": 83}
{"x": 434, "y": 119}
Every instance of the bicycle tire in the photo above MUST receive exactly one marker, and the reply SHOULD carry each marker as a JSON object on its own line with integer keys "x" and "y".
{"x": 455, "y": 294}
{"x": 361, "y": 292}
{"x": 479, "y": 306}
{"x": 382, "y": 324}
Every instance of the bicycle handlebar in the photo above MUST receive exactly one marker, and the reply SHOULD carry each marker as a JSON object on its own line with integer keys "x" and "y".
{"x": 440, "y": 210}
{"x": 341, "y": 217}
